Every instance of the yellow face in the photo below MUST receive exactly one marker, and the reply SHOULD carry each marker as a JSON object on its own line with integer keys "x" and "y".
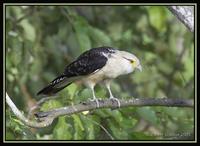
{"x": 135, "y": 63}
{"x": 132, "y": 61}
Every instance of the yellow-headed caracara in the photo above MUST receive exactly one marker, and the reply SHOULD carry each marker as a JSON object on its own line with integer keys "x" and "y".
{"x": 92, "y": 67}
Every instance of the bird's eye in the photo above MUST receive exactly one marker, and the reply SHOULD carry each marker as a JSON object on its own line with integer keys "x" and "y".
{"x": 132, "y": 61}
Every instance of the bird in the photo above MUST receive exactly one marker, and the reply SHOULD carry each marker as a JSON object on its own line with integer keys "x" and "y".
{"x": 96, "y": 65}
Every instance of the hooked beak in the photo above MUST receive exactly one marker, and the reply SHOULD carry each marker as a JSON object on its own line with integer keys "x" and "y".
{"x": 139, "y": 67}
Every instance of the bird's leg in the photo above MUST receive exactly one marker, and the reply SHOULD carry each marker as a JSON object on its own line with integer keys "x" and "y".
{"x": 107, "y": 83}
{"x": 94, "y": 97}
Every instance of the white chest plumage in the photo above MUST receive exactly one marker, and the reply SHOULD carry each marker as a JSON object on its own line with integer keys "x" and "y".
{"x": 114, "y": 67}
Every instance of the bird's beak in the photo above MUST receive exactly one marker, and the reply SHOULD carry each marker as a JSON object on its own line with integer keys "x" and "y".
{"x": 139, "y": 67}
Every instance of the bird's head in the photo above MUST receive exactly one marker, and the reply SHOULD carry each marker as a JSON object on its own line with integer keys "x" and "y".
{"x": 133, "y": 61}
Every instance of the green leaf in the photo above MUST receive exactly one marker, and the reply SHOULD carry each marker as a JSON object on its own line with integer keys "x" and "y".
{"x": 116, "y": 31}
{"x": 174, "y": 112}
{"x": 29, "y": 30}
{"x": 72, "y": 88}
{"x": 10, "y": 136}
{"x": 189, "y": 65}
{"x": 100, "y": 92}
{"x": 81, "y": 29}
{"x": 128, "y": 122}
{"x": 85, "y": 94}
{"x": 117, "y": 132}
{"x": 78, "y": 135}
{"x": 102, "y": 113}
{"x": 91, "y": 132}
{"x": 157, "y": 17}
{"x": 100, "y": 37}
{"x": 116, "y": 115}
{"x": 150, "y": 56}
{"x": 84, "y": 40}
{"x": 13, "y": 12}
{"x": 18, "y": 121}
{"x": 10, "y": 77}
{"x": 51, "y": 104}
{"x": 148, "y": 114}
{"x": 15, "y": 51}
{"x": 62, "y": 130}
{"x": 78, "y": 121}
{"x": 141, "y": 136}
{"x": 91, "y": 125}
{"x": 146, "y": 39}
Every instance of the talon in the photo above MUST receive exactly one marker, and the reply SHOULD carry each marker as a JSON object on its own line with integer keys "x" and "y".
{"x": 96, "y": 100}
{"x": 118, "y": 102}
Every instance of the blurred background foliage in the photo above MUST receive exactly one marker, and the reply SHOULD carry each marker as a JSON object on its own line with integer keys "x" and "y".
{"x": 42, "y": 40}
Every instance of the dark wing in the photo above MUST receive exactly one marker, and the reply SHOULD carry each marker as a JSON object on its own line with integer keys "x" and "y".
{"x": 88, "y": 62}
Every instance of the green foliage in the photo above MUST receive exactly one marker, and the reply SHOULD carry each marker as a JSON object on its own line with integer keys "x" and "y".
{"x": 148, "y": 114}
{"x": 62, "y": 130}
{"x": 157, "y": 17}
{"x": 42, "y": 40}
{"x": 51, "y": 104}
{"x": 15, "y": 129}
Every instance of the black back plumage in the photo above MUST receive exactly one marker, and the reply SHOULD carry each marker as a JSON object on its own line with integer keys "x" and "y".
{"x": 88, "y": 62}
{"x": 85, "y": 64}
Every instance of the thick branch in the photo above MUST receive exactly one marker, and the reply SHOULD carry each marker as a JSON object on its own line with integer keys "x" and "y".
{"x": 47, "y": 118}
{"x": 185, "y": 14}
{"x": 107, "y": 103}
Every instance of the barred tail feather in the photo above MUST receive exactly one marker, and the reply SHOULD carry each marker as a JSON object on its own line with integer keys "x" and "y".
{"x": 51, "y": 90}
{"x": 55, "y": 86}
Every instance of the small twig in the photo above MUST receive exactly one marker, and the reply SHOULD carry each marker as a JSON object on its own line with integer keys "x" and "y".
{"x": 47, "y": 118}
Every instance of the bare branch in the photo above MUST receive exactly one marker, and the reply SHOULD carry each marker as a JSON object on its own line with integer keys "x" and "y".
{"x": 46, "y": 118}
{"x": 27, "y": 122}
{"x": 185, "y": 14}
{"x": 107, "y": 103}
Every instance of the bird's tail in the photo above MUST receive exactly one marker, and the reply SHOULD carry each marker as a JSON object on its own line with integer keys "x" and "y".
{"x": 55, "y": 86}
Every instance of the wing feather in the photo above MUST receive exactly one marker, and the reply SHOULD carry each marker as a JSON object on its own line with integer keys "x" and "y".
{"x": 88, "y": 62}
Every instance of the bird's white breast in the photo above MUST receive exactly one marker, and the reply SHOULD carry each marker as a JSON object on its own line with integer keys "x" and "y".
{"x": 114, "y": 67}
{"x": 117, "y": 65}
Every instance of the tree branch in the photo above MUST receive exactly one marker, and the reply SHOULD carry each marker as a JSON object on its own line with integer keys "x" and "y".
{"x": 46, "y": 118}
{"x": 185, "y": 14}
{"x": 27, "y": 122}
{"x": 40, "y": 102}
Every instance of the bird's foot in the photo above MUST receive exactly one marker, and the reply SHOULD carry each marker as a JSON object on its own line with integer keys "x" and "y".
{"x": 118, "y": 102}
{"x": 96, "y": 100}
